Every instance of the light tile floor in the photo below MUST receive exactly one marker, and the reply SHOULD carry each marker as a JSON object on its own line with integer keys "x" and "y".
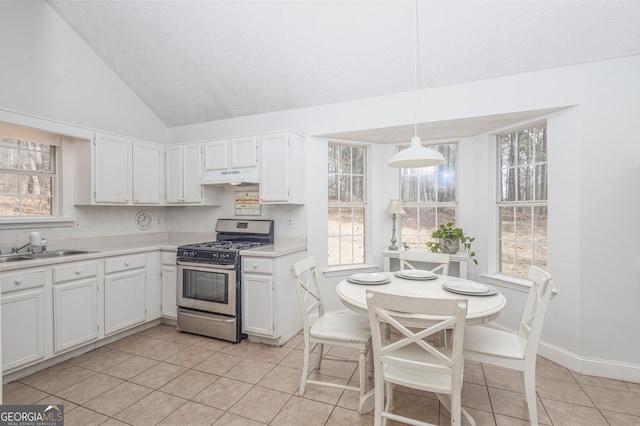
{"x": 160, "y": 376}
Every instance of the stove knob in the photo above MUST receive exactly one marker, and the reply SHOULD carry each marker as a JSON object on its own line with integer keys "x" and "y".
{"x": 193, "y": 254}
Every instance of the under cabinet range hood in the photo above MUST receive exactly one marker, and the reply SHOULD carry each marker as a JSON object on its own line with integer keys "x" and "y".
{"x": 241, "y": 176}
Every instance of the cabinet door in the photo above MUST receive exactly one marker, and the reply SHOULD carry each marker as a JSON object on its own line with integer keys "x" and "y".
{"x": 75, "y": 313}
{"x": 22, "y": 328}
{"x": 169, "y": 291}
{"x": 274, "y": 168}
{"x": 216, "y": 155}
{"x": 124, "y": 300}
{"x": 146, "y": 173}
{"x": 112, "y": 170}
{"x": 174, "y": 174}
{"x": 244, "y": 152}
{"x": 257, "y": 305}
{"x": 191, "y": 174}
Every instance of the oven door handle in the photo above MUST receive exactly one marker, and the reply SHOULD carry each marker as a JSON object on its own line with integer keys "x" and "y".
{"x": 206, "y": 265}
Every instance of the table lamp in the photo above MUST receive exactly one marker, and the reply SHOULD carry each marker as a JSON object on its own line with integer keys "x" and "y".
{"x": 394, "y": 208}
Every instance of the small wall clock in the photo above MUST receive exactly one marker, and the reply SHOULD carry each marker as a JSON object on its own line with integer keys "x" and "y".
{"x": 143, "y": 220}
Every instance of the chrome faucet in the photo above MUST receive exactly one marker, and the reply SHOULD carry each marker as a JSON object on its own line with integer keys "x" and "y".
{"x": 17, "y": 249}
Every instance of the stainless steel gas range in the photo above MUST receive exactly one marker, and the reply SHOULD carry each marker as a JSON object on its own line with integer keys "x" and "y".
{"x": 209, "y": 278}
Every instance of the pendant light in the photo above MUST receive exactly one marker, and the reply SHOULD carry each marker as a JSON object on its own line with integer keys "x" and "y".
{"x": 416, "y": 155}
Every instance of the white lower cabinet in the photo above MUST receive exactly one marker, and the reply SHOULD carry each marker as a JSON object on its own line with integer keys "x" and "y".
{"x": 124, "y": 293}
{"x": 75, "y": 305}
{"x": 270, "y": 312}
{"x": 257, "y": 305}
{"x": 169, "y": 283}
{"x": 23, "y": 317}
{"x": 75, "y": 310}
{"x": 22, "y": 329}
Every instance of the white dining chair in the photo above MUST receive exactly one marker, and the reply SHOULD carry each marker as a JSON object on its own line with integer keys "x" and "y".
{"x": 412, "y": 360}
{"x": 516, "y": 351}
{"x": 345, "y": 329}
{"x": 425, "y": 256}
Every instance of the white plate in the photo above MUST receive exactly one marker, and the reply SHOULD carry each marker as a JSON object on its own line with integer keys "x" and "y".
{"x": 416, "y": 274}
{"x": 469, "y": 289}
{"x": 369, "y": 278}
{"x": 368, "y": 283}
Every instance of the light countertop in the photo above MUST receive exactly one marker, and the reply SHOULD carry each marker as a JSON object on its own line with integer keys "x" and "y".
{"x": 126, "y": 245}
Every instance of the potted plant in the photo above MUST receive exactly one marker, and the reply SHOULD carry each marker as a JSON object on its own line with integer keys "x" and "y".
{"x": 449, "y": 239}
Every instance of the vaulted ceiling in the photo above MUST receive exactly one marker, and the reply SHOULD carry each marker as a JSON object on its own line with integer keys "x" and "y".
{"x": 198, "y": 61}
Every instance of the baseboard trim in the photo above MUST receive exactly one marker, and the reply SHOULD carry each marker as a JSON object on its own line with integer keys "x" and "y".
{"x": 606, "y": 368}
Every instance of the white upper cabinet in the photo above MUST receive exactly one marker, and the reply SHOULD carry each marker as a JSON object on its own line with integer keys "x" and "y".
{"x": 216, "y": 155}
{"x": 231, "y": 154}
{"x": 147, "y": 173}
{"x": 282, "y": 169}
{"x": 115, "y": 170}
{"x": 244, "y": 152}
{"x": 184, "y": 174}
{"x": 192, "y": 191}
{"x": 112, "y": 170}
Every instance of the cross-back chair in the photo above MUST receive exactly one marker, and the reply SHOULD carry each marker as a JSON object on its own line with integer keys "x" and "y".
{"x": 426, "y": 256}
{"x": 345, "y": 329}
{"x": 413, "y": 360}
{"x": 516, "y": 351}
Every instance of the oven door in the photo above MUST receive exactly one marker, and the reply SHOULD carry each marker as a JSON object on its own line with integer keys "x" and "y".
{"x": 207, "y": 288}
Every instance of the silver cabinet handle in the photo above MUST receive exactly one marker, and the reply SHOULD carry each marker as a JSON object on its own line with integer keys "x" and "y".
{"x": 78, "y": 271}
{"x": 18, "y": 281}
{"x": 126, "y": 263}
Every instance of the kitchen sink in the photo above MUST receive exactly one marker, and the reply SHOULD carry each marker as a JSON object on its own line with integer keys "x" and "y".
{"x": 57, "y": 253}
{"x": 14, "y": 258}
{"x": 46, "y": 254}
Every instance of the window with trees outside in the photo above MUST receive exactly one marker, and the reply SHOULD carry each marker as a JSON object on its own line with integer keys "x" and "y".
{"x": 347, "y": 204}
{"x": 27, "y": 172}
{"x": 522, "y": 200}
{"x": 428, "y": 196}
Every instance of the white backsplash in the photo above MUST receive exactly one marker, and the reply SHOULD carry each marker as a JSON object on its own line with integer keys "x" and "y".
{"x": 108, "y": 221}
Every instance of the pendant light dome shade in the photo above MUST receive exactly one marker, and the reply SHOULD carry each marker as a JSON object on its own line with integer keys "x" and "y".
{"x": 416, "y": 156}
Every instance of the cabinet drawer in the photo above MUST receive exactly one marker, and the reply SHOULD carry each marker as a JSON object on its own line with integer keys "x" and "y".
{"x": 168, "y": 257}
{"x": 124, "y": 263}
{"x": 74, "y": 271}
{"x": 22, "y": 280}
{"x": 260, "y": 266}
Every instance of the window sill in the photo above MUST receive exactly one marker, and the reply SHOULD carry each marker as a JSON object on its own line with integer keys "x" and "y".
{"x": 339, "y": 271}
{"x": 36, "y": 222}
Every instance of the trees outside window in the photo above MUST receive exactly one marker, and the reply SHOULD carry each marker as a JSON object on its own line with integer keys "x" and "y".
{"x": 27, "y": 178}
{"x": 522, "y": 200}
{"x": 429, "y": 198}
{"x": 347, "y": 204}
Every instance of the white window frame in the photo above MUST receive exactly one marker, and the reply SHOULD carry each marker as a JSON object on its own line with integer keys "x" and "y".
{"x": 336, "y": 269}
{"x": 20, "y": 133}
{"x": 422, "y": 240}
{"x": 516, "y": 204}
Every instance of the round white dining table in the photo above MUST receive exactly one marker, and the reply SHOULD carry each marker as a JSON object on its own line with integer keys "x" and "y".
{"x": 480, "y": 309}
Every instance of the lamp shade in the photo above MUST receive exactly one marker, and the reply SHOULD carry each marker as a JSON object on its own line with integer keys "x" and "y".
{"x": 394, "y": 207}
{"x": 416, "y": 156}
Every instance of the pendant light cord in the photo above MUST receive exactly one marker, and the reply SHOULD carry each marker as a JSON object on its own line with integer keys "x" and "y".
{"x": 416, "y": 73}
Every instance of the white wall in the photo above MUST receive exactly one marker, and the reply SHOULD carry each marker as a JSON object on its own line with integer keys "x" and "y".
{"x": 48, "y": 71}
